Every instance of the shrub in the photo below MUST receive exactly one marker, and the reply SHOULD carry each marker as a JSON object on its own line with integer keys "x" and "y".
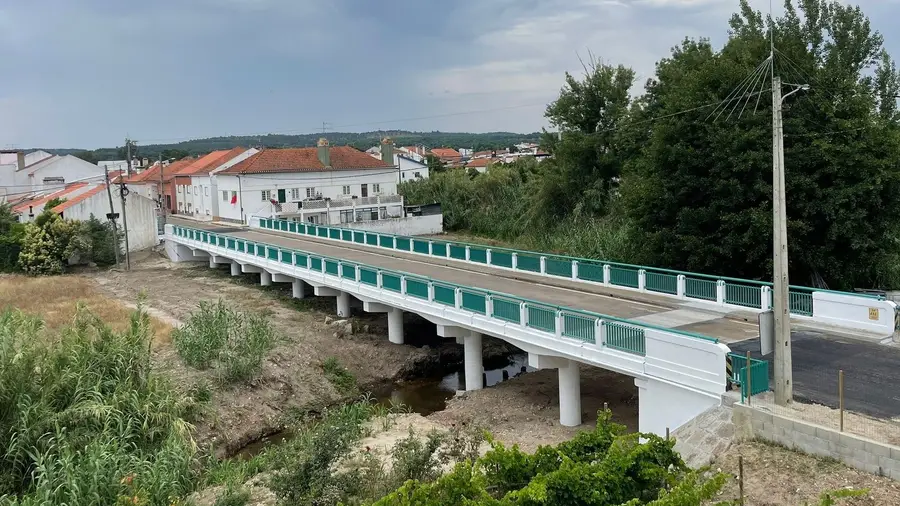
{"x": 102, "y": 242}
{"x": 49, "y": 242}
{"x": 339, "y": 376}
{"x": 233, "y": 342}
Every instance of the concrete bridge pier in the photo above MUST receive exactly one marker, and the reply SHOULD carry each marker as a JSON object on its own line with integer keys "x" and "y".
{"x": 569, "y": 386}
{"x": 395, "y": 325}
{"x": 212, "y": 262}
{"x": 473, "y": 361}
{"x": 265, "y": 278}
{"x": 235, "y": 269}
{"x": 298, "y": 288}
{"x": 343, "y": 304}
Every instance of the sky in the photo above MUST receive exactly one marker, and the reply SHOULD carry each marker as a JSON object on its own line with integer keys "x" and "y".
{"x": 88, "y": 73}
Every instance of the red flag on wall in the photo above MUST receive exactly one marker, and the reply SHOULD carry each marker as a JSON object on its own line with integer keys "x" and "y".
{"x": 234, "y": 198}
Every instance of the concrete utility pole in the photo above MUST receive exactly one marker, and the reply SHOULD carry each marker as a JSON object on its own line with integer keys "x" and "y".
{"x": 128, "y": 154}
{"x": 122, "y": 193}
{"x": 112, "y": 214}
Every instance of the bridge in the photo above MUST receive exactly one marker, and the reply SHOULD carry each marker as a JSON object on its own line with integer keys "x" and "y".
{"x": 651, "y": 324}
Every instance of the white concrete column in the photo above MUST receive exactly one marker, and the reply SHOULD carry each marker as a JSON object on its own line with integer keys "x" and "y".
{"x": 395, "y": 325}
{"x": 474, "y": 366}
{"x": 212, "y": 263}
{"x": 298, "y": 288}
{"x": 569, "y": 394}
{"x": 265, "y": 278}
{"x": 343, "y": 305}
{"x": 235, "y": 269}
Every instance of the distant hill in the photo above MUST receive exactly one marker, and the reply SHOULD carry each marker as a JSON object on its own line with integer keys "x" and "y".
{"x": 365, "y": 140}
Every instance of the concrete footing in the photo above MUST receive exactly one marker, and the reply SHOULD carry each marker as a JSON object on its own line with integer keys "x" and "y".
{"x": 474, "y": 367}
{"x": 265, "y": 278}
{"x": 343, "y": 305}
{"x": 395, "y": 325}
{"x": 298, "y": 289}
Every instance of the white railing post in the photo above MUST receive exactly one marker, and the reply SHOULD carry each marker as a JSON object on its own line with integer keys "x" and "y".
{"x": 681, "y": 286}
{"x": 560, "y": 321}
{"x": 515, "y": 261}
{"x": 430, "y": 247}
{"x": 523, "y": 313}
{"x": 468, "y": 252}
{"x": 447, "y": 250}
{"x": 488, "y": 306}
{"x": 403, "y": 285}
{"x": 356, "y": 273}
{"x": 431, "y": 291}
{"x": 720, "y": 292}
{"x": 543, "y": 265}
{"x": 457, "y": 297}
{"x": 574, "y": 269}
{"x": 764, "y": 298}
{"x": 378, "y": 281}
{"x": 642, "y": 280}
{"x": 487, "y": 253}
{"x": 600, "y": 332}
{"x": 606, "y": 274}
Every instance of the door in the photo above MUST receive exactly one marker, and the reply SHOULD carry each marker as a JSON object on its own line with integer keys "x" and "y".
{"x": 282, "y": 196}
{"x": 364, "y": 190}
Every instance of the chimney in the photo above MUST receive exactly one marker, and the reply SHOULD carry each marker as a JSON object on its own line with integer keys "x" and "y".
{"x": 387, "y": 151}
{"x": 20, "y": 160}
{"x": 324, "y": 154}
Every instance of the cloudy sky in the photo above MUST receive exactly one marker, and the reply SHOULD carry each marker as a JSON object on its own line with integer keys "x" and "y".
{"x": 86, "y": 73}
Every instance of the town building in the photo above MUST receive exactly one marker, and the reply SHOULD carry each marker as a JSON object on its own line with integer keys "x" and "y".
{"x": 195, "y": 184}
{"x": 411, "y": 166}
{"x": 22, "y": 175}
{"x": 326, "y": 184}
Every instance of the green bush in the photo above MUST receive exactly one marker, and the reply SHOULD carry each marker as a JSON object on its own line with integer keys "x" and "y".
{"x": 217, "y": 336}
{"x": 84, "y": 421}
{"x": 102, "y": 242}
{"x": 49, "y": 242}
{"x": 339, "y": 376}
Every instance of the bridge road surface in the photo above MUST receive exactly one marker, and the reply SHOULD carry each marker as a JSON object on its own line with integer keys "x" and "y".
{"x": 872, "y": 371}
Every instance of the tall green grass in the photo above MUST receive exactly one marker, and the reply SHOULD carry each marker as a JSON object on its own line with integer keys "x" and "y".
{"x": 232, "y": 342}
{"x": 83, "y": 420}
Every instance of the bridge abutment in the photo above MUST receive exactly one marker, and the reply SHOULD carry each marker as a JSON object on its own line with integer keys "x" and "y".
{"x": 474, "y": 361}
{"x": 663, "y": 405}
{"x": 395, "y": 325}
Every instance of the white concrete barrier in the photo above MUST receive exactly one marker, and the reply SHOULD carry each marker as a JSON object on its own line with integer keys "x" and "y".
{"x": 850, "y": 311}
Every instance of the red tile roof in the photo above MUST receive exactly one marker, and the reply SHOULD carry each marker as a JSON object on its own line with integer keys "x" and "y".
{"x": 305, "y": 160}
{"x": 171, "y": 170}
{"x": 211, "y": 161}
{"x": 46, "y": 198}
{"x": 79, "y": 198}
{"x": 481, "y": 162}
{"x": 445, "y": 153}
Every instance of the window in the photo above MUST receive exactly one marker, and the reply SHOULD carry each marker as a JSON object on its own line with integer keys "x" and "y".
{"x": 195, "y": 191}
{"x": 295, "y": 193}
{"x": 310, "y": 193}
{"x": 376, "y": 188}
{"x": 178, "y": 189}
{"x": 266, "y": 195}
{"x": 346, "y": 190}
{"x": 189, "y": 207}
{"x": 206, "y": 191}
{"x": 417, "y": 174}
{"x": 224, "y": 195}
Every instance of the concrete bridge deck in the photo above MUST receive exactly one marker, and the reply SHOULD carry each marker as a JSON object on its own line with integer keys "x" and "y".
{"x": 728, "y": 325}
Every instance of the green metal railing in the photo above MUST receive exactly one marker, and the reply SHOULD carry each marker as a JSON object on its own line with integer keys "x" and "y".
{"x": 622, "y": 334}
{"x": 759, "y": 375}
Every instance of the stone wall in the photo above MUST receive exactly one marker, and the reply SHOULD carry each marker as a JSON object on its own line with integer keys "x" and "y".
{"x": 855, "y": 451}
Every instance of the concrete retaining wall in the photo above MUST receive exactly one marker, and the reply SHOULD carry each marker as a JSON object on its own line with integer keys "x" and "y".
{"x": 855, "y": 451}
{"x": 410, "y": 225}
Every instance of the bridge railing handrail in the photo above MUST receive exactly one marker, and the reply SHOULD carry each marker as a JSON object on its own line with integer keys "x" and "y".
{"x": 739, "y": 292}
{"x": 629, "y": 345}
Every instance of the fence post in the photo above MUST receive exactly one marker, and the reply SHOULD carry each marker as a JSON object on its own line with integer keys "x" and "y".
{"x": 720, "y": 292}
{"x": 574, "y": 269}
{"x": 841, "y": 396}
{"x": 741, "y": 480}
{"x": 403, "y": 285}
{"x": 749, "y": 378}
{"x": 559, "y": 323}
{"x": 430, "y": 247}
{"x": 515, "y": 261}
{"x": 377, "y": 281}
{"x": 642, "y": 280}
{"x": 489, "y": 306}
{"x": 764, "y": 298}
{"x": 487, "y": 254}
{"x": 523, "y": 313}
{"x": 606, "y": 274}
{"x": 600, "y": 332}
{"x": 467, "y": 254}
{"x": 457, "y": 297}
{"x": 543, "y": 265}
{"x": 681, "y": 286}
{"x": 430, "y": 291}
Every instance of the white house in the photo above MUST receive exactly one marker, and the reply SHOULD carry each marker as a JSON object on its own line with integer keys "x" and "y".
{"x": 411, "y": 165}
{"x": 44, "y": 173}
{"x": 140, "y": 213}
{"x": 324, "y": 184}
{"x": 196, "y": 183}
{"x": 30, "y": 207}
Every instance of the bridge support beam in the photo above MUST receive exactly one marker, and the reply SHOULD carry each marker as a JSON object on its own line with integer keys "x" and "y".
{"x": 395, "y": 325}
{"x": 569, "y": 386}
{"x": 179, "y": 252}
{"x": 298, "y": 288}
{"x": 474, "y": 365}
{"x": 265, "y": 278}
{"x": 235, "y": 269}
{"x": 281, "y": 278}
{"x": 343, "y": 304}
{"x": 250, "y": 268}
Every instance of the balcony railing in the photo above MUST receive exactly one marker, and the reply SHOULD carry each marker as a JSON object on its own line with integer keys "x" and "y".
{"x": 290, "y": 208}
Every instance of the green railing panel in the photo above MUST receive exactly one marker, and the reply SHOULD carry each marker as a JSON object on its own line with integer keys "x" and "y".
{"x": 759, "y": 374}
{"x": 458, "y": 252}
{"x": 622, "y": 276}
{"x": 800, "y": 303}
{"x": 590, "y": 272}
{"x": 368, "y": 276}
{"x": 743, "y": 295}
{"x": 402, "y": 243}
{"x": 439, "y": 249}
{"x": 334, "y": 233}
{"x": 444, "y": 294}
{"x": 660, "y": 282}
{"x": 505, "y": 309}
{"x": 625, "y": 338}
{"x": 390, "y": 282}
{"x": 420, "y": 246}
{"x": 239, "y": 245}
{"x": 558, "y": 267}
{"x": 386, "y": 241}
{"x": 221, "y": 241}
{"x": 371, "y": 239}
{"x": 260, "y": 250}
{"x": 287, "y": 257}
{"x": 541, "y": 318}
{"x": 704, "y": 289}
{"x": 284, "y": 226}
{"x": 417, "y": 288}
{"x": 292, "y": 226}
{"x": 348, "y": 271}
{"x": 581, "y": 327}
{"x": 347, "y": 235}
{"x": 301, "y": 260}
{"x": 331, "y": 267}
{"x": 311, "y": 230}
{"x": 273, "y": 253}
{"x": 475, "y": 302}
{"x": 230, "y": 244}
{"x": 359, "y": 237}
{"x": 315, "y": 264}
{"x": 478, "y": 255}
{"x": 501, "y": 259}
{"x": 528, "y": 263}
{"x": 322, "y": 231}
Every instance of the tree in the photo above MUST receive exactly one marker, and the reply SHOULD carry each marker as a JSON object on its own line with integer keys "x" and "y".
{"x": 11, "y": 233}
{"x": 49, "y": 242}
{"x": 700, "y": 191}
{"x": 435, "y": 165}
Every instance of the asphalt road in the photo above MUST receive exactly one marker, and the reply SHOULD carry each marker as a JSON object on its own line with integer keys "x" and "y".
{"x": 871, "y": 372}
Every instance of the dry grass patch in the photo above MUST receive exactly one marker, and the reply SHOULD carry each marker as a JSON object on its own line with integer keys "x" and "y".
{"x": 55, "y": 299}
